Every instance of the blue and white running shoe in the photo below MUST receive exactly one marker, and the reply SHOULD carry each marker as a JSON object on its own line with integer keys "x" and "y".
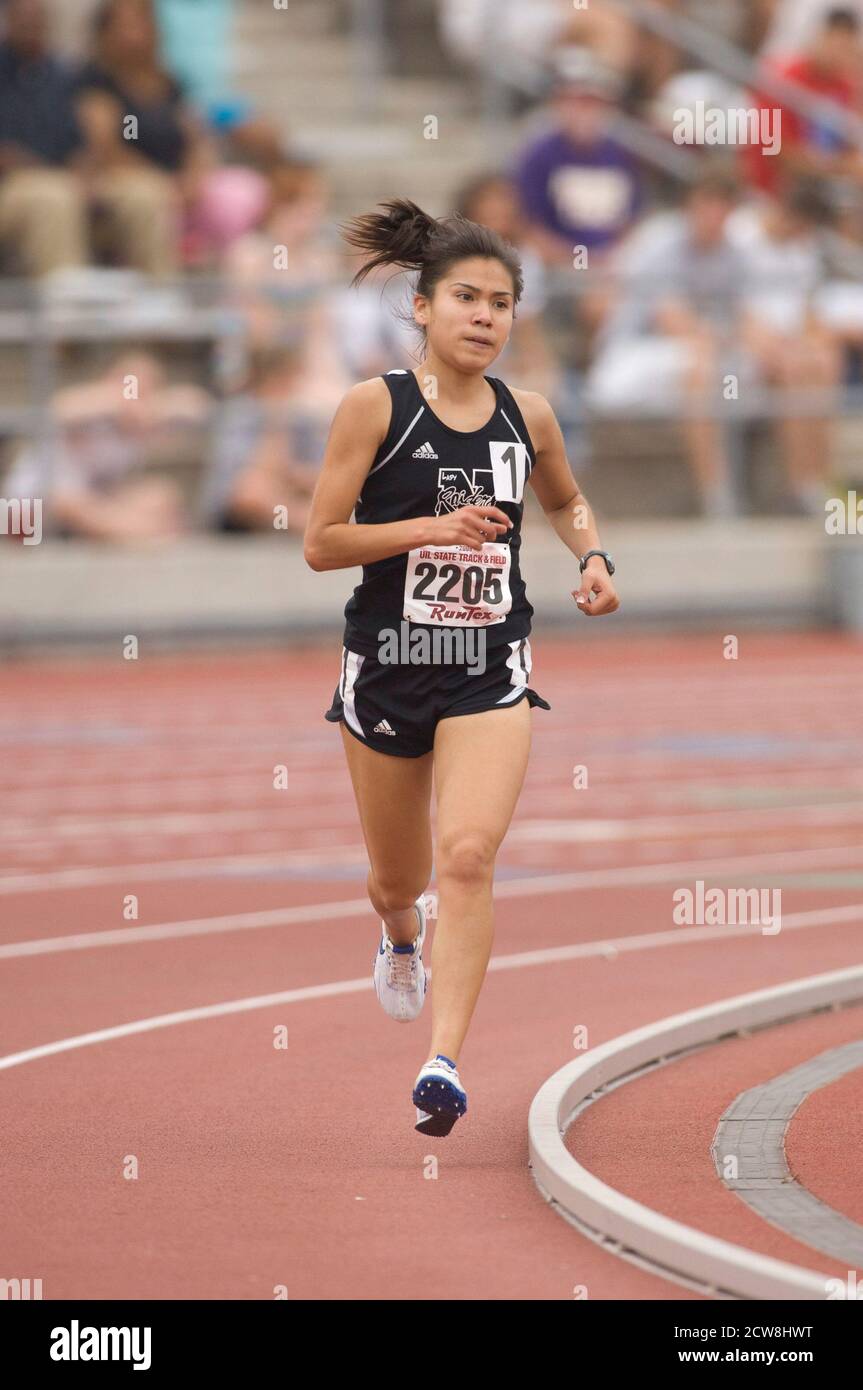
{"x": 438, "y": 1096}
{"x": 400, "y": 977}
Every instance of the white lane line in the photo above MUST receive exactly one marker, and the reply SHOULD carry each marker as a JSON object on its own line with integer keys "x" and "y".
{"x": 167, "y": 823}
{"x": 333, "y": 911}
{"x": 518, "y": 961}
{"x": 91, "y": 875}
{"x": 649, "y": 767}
{"x": 696, "y": 821}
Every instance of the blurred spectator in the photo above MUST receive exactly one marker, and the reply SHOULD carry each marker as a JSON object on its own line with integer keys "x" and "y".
{"x": 89, "y": 477}
{"x": 705, "y": 301}
{"x": 195, "y": 38}
{"x": 43, "y": 224}
{"x": 263, "y": 458}
{"x": 792, "y": 25}
{"x": 578, "y": 186}
{"x": 515, "y": 41}
{"x": 673, "y": 335}
{"x": 516, "y": 38}
{"x": 366, "y": 323}
{"x": 829, "y": 67}
{"x": 492, "y": 199}
{"x": 793, "y": 348}
{"x": 279, "y": 277}
{"x": 686, "y": 91}
{"x": 530, "y": 357}
{"x": 838, "y": 305}
{"x": 102, "y": 163}
{"x": 287, "y": 259}
{"x": 151, "y": 152}
{"x": 759, "y": 19}
{"x": 778, "y": 239}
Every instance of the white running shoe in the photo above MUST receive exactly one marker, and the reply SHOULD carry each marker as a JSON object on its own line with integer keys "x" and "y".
{"x": 439, "y": 1096}
{"x": 400, "y": 977}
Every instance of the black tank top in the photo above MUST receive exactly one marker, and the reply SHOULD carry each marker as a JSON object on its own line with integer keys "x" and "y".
{"x": 425, "y": 468}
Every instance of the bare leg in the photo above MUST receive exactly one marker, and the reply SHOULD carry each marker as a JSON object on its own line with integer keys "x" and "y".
{"x": 476, "y": 797}
{"x": 393, "y": 798}
{"x": 813, "y": 363}
{"x": 703, "y": 433}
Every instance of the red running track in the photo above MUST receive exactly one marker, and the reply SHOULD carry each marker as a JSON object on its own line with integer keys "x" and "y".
{"x": 260, "y": 1166}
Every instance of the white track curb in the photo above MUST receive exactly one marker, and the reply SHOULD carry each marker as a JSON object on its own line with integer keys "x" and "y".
{"x": 716, "y": 1263}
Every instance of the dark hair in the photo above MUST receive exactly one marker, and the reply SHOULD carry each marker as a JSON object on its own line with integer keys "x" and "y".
{"x": 267, "y": 361}
{"x": 104, "y": 13}
{"x": 841, "y": 17}
{"x": 717, "y": 182}
{"x": 476, "y": 186}
{"x": 405, "y": 235}
{"x": 807, "y": 200}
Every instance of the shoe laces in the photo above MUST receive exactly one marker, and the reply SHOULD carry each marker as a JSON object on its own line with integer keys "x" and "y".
{"x": 401, "y": 969}
{"x": 439, "y": 1062}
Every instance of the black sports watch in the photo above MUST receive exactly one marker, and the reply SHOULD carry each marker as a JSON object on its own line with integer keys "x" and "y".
{"x": 609, "y": 563}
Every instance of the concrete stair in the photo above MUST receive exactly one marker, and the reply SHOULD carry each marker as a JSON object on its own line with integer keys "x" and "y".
{"x": 300, "y": 68}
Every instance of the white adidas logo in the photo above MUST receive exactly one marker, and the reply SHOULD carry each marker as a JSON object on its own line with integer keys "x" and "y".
{"x": 425, "y": 451}
{"x": 383, "y": 728}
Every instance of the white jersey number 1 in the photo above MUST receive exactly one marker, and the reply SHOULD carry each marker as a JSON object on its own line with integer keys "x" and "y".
{"x": 510, "y": 465}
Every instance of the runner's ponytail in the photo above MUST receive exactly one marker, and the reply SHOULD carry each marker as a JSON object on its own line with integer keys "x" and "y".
{"x": 400, "y": 236}
{"x": 404, "y": 235}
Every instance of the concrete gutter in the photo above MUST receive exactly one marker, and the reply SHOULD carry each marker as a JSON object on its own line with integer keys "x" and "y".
{"x": 720, "y": 1268}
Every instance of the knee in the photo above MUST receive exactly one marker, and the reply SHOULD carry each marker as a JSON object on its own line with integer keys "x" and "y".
{"x": 702, "y": 372}
{"x": 791, "y": 369}
{"x": 143, "y": 191}
{"x": 824, "y": 366}
{"x": 396, "y": 895}
{"x": 48, "y": 192}
{"x": 468, "y": 857}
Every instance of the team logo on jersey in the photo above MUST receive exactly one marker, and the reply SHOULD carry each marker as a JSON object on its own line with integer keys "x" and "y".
{"x": 425, "y": 451}
{"x": 455, "y": 489}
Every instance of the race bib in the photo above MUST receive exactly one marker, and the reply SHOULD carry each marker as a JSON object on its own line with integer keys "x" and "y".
{"x": 456, "y": 586}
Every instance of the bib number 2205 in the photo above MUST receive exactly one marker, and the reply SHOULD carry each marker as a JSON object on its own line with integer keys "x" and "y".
{"x": 457, "y": 586}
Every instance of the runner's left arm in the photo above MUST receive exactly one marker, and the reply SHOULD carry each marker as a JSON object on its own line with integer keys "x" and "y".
{"x": 565, "y": 505}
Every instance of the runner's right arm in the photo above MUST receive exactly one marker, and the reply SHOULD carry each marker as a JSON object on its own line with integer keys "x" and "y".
{"x": 331, "y": 540}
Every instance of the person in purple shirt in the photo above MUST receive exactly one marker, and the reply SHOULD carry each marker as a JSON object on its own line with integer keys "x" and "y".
{"x": 578, "y": 186}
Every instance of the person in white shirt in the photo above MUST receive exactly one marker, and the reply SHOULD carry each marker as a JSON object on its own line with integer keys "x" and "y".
{"x": 796, "y": 352}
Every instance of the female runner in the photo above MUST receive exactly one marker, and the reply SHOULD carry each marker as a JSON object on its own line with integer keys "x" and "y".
{"x": 435, "y": 657}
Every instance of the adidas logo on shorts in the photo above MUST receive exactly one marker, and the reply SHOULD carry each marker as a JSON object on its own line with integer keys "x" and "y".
{"x": 383, "y": 728}
{"x": 425, "y": 451}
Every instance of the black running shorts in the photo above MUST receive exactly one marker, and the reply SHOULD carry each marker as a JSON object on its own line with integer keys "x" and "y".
{"x": 395, "y": 707}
